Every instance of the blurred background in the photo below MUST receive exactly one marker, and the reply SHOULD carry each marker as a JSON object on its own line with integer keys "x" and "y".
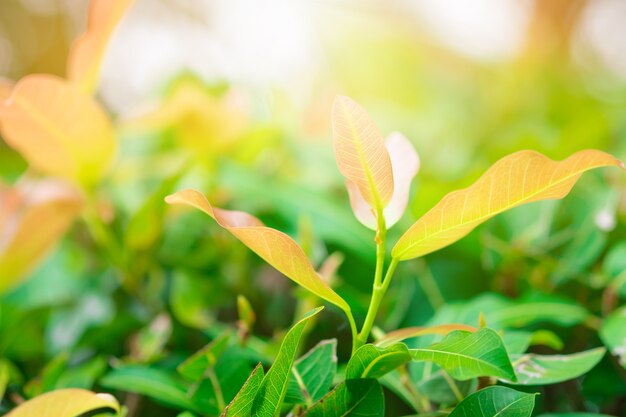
{"x": 233, "y": 97}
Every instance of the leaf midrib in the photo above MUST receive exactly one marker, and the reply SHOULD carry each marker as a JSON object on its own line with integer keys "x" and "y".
{"x": 361, "y": 154}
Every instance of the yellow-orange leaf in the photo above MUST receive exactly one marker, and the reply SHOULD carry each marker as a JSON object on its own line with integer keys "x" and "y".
{"x": 87, "y": 52}
{"x": 70, "y": 402}
{"x": 361, "y": 153}
{"x": 276, "y": 248}
{"x": 58, "y": 129}
{"x": 33, "y": 216}
{"x": 519, "y": 178}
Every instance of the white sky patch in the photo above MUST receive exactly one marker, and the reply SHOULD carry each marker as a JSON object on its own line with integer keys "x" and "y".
{"x": 256, "y": 44}
{"x": 603, "y": 29}
{"x": 483, "y": 29}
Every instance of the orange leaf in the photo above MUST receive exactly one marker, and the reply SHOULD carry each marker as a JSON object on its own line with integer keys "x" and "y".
{"x": 58, "y": 129}
{"x": 33, "y": 217}
{"x": 519, "y": 178}
{"x": 276, "y": 248}
{"x": 70, "y": 402}
{"x": 361, "y": 154}
{"x": 405, "y": 164}
{"x": 87, "y": 51}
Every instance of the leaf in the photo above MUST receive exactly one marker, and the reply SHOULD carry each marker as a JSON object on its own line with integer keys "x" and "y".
{"x": 71, "y": 402}
{"x": 532, "y": 369}
{"x": 404, "y": 164}
{"x": 58, "y": 129}
{"x": 516, "y": 341}
{"x": 5, "y": 376}
{"x": 276, "y": 248}
{"x": 312, "y": 375}
{"x": 613, "y": 334}
{"x": 360, "y": 152}
{"x": 160, "y": 385}
{"x": 24, "y": 238}
{"x": 194, "y": 367}
{"x": 274, "y": 386}
{"x": 573, "y": 415}
{"x": 87, "y": 52}
{"x": 241, "y": 405}
{"x": 370, "y": 361}
{"x": 519, "y": 178}
{"x": 411, "y": 332}
{"x": 496, "y": 402}
{"x": 502, "y": 313}
{"x": 465, "y": 355}
{"x": 353, "y": 397}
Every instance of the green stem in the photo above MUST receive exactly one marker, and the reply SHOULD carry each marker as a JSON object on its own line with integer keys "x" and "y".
{"x": 377, "y": 297}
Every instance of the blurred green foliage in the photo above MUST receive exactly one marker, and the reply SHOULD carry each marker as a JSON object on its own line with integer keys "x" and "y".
{"x": 122, "y": 309}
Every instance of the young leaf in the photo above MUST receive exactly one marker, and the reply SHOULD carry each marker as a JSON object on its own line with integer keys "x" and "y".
{"x": 274, "y": 386}
{"x": 241, "y": 405}
{"x": 519, "y": 178}
{"x": 276, "y": 248}
{"x": 532, "y": 369}
{"x": 404, "y": 165}
{"x": 87, "y": 51}
{"x": 465, "y": 355}
{"x": 71, "y": 402}
{"x": 58, "y": 129}
{"x": 496, "y": 402}
{"x": 312, "y": 375}
{"x": 613, "y": 334}
{"x": 360, "y": 152}
{"x": 353, "y": 397}
{"x": 370, "y": 361}
{"x": 24, "y": 238}
{"x": 194, "y": 367}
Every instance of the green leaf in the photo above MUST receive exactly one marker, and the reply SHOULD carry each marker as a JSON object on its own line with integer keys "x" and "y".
{"x": 465, "y": 355}
{"x": 160, "y": 385}
{"x": 516, "y": 341}
{"x": 573, "y": 415}
{"x": 353, "y": 397}
{"x": 496, "y": 402}
{"x": 613, "y": 334}
{"x": 370, "y": 361}
{"x": 241, "y": 405}
{"x": 194, "y": 367}
{"x": 532, "y": 369}
{"x": 501, "y": 312}
{"x": 5, "y": 376}
{"x": 312, "y": 375}
{"x": 274, "y": 386}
